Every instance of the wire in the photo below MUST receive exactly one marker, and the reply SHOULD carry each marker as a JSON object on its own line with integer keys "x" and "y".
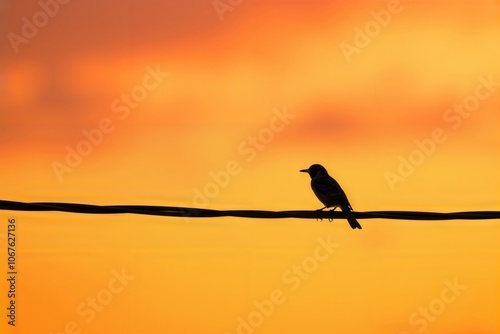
{"x": 175, "y": 211}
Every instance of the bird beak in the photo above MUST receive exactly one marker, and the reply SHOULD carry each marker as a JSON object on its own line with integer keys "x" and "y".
{"x": 304, "y": 170}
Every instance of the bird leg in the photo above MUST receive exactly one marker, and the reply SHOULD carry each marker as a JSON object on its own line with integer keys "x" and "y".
{"x": 331, "y": 219}
{"x": 320, "y": 219}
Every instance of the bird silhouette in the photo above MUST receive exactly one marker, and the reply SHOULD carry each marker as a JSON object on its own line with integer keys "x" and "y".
{"x": 330, "y": 193}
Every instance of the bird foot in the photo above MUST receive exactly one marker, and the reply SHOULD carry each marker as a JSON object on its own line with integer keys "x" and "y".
{"x": 320, "y": 219}
{"x": 331, "y": 219}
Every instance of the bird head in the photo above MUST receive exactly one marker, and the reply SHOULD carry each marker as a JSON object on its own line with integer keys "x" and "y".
{"x": 315, "y": 170}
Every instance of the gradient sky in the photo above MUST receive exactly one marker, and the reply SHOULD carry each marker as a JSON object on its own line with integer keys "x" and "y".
{"x": 243, "y": 97}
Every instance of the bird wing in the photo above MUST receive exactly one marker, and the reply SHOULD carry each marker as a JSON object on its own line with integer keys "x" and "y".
{"x": 328, "y": 190}
{"x": 326, "y": 185}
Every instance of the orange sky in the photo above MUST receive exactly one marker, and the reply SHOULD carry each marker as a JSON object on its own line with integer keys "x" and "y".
{"x": 175, "y": 103}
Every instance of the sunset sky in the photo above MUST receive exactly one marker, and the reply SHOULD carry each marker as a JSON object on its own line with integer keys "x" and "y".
{"x": 219, "y": 104}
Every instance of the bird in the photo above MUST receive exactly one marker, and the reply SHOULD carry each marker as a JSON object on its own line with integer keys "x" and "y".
{"x": 329, "y": 192}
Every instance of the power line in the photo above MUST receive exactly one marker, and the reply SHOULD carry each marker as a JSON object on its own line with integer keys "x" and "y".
{"x": 176, "y": 211}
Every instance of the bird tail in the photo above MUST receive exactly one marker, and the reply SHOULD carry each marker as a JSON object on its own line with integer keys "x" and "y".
{"x": 350, "y": 217}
